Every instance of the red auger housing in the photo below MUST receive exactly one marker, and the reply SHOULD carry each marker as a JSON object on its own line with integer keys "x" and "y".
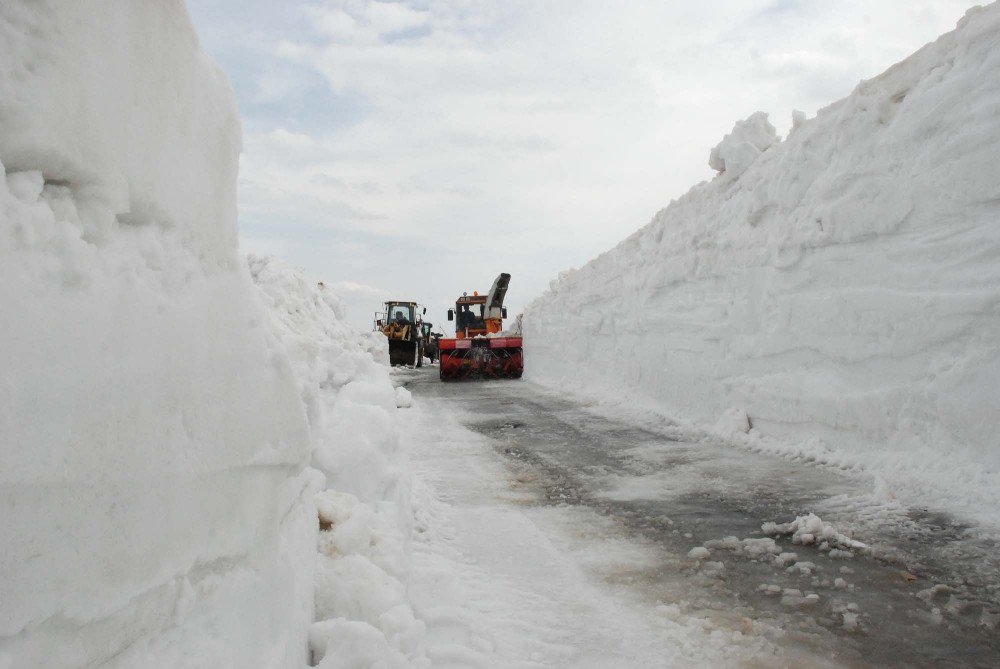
{"x": 481, "y": 349}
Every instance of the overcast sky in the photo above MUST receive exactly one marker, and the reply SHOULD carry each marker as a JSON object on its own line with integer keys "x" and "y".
{"x": 414, "y": 150}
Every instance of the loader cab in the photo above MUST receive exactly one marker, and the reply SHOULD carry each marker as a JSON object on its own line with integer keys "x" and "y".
{"x": 400, "y": 312}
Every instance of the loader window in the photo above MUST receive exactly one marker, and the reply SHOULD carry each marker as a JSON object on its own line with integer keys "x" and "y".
{"x": 400, "y": 312}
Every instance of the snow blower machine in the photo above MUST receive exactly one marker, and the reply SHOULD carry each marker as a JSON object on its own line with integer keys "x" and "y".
{"x": 481, "y": 349}
{"x": 403, "y": 327}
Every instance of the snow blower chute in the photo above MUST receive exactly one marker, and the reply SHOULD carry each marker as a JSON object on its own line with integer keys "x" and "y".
{"x": 481, "y": 349}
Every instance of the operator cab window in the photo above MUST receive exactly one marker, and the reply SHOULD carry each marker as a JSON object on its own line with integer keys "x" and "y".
{"x": 402, "y": 313}
{"x": 472, "y": 319}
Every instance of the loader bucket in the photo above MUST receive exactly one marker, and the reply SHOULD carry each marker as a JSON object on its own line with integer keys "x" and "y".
{"x": 481, "y": 358}
{"x": 402, "y": 352}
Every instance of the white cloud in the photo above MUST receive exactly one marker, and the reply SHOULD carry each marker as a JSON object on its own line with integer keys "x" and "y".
{"x": 354, "y": 287}
{"x": 527, "y": 137}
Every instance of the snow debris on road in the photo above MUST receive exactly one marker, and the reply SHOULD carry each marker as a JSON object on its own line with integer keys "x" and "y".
{"x": 838, "y": 287}
{"x": 733, "y": 422}
{"x": 811, "y": 529}
{"x": 699, "y": 553}
{"x": 502, "y": 583}
{"x": 753, "y": 548}
{"x": 404, "y": 399}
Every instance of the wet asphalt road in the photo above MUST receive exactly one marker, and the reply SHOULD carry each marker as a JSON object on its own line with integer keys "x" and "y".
{"x": 927, "y": 594}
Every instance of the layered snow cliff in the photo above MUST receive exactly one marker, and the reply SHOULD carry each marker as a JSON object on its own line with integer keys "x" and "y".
{"x": 839, "y": 290}
{"x": 363, "y": 612}
{"x": 157, "y": 510}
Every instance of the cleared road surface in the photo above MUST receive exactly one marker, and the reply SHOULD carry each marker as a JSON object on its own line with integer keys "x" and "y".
{"x": 924, "y": 594}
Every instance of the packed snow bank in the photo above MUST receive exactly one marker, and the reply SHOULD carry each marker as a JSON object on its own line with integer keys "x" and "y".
{"x": 363, "y": 613}
{"x": 842, "y": 290}
{"x": 152, "y": 139}
{"x": 157, "y": 507}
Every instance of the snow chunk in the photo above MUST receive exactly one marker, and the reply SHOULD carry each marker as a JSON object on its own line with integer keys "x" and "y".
{"x": 752, "y": 548}
{"x": 346, "y": 523}
{"x": 806, "y": 529}
{"x": 785, "y": 559}
{"x": 794, "y": 598}
{"x": 404, "y": 398}
{"x": 726, "y": 543}
{"x": 804, "y": 568}
{"x": 740, "y": 148}
{"x": 699, "y": 553}
{"x": 354, "y": 587}
{"x": 798, "y": 119}
{"x": 769, "y": 590}
{"x": 759, "y": 547}
{"x": 334, "y": 507}
{"x": 713, "y": 568}
{"x": 733, "y": 421}
{"x": 350, "y": 644}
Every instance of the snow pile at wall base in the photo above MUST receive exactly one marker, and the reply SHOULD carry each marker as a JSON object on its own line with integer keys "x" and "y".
{"x": 156, "y": 501}
{"x": 362, "y": 608}
{"x": 841, "y": 289}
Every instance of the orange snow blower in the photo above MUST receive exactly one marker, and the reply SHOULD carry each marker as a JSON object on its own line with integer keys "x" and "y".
{"x": 481, "y": 349}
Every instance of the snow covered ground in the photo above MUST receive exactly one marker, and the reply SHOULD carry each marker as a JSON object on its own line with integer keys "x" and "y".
{"x": 836, "y": 291}
{"x": 504, "y": 582}
{"x": 665, "y": 548}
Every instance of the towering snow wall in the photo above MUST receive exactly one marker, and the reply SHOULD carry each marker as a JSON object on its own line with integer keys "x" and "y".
{"x": 841, "y": 287}
{"x": 156, "y": 507}
{"x": 363, "y": 609}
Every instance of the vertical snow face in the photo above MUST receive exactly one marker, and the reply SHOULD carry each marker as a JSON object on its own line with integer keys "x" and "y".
{"x": 363, "y": 610}
{"x": 117, "y": 98}
{"x": 156, "y": 504}
{"x": 841, "y": 289}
